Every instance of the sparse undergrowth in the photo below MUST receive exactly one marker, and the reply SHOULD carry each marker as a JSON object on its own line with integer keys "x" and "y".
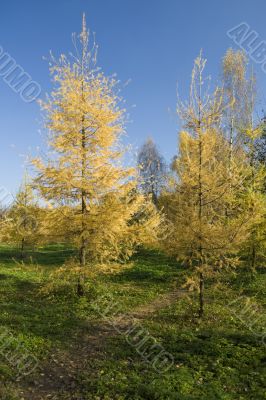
{"x": 81, "y": 356}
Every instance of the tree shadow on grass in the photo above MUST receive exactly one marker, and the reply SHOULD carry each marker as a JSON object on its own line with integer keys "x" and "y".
{"x": 220, "y": 360}
{"x": 26, "y": 311}
{"x": 41, "y": 257}
{"x": 150, "y": 267}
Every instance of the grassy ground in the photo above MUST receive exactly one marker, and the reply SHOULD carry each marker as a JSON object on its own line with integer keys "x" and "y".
{"x": 90, "y": 348}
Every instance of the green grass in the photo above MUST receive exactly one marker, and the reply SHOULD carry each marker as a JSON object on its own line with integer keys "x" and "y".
{"x": 219, "y": 357}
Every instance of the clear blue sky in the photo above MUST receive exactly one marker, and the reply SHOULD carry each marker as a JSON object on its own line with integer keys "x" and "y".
{"x": 152, "y": 42}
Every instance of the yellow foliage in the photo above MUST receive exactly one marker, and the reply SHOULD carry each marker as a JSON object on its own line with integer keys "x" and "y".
{"x": 92, "y": 197}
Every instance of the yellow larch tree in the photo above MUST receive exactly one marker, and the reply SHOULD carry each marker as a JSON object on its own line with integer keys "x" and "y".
{"x": 92, "y": 197}
{"x": 22, "y": 224}
{"x": 252, "y": 131}
{"x": 234, "y": 71}
{"x": 209, "y": 220}
{"x": 242, "y": 132}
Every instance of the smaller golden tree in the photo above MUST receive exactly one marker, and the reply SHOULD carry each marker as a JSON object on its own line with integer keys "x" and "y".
{"x": 22, "y": 225}
{"x": 206, "y": 204}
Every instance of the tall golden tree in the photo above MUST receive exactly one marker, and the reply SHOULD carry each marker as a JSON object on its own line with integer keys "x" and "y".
{"x": 252, "y": 131}
{"x": 242, "y": 132}
{"x": 234, "y": 71}
{"x": 209, "y": 219}
{"x": 92, "y": 196}
{"x": 234, "y": 81}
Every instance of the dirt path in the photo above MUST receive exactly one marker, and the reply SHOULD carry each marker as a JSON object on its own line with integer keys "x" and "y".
{"x": 57, "y": 379}
{"x": 162, "y": 301}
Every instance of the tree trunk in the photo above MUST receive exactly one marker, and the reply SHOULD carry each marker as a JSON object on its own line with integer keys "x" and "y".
{"x": 22, "y": 248}
{"x": 80, "y": 286}
{"x": 201, "y": 295}
{"x": 253, "y": 258}
{"x": 200, "y": 212}
{"x": 82, "y": 254}
{"x": 82, "y": 262}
